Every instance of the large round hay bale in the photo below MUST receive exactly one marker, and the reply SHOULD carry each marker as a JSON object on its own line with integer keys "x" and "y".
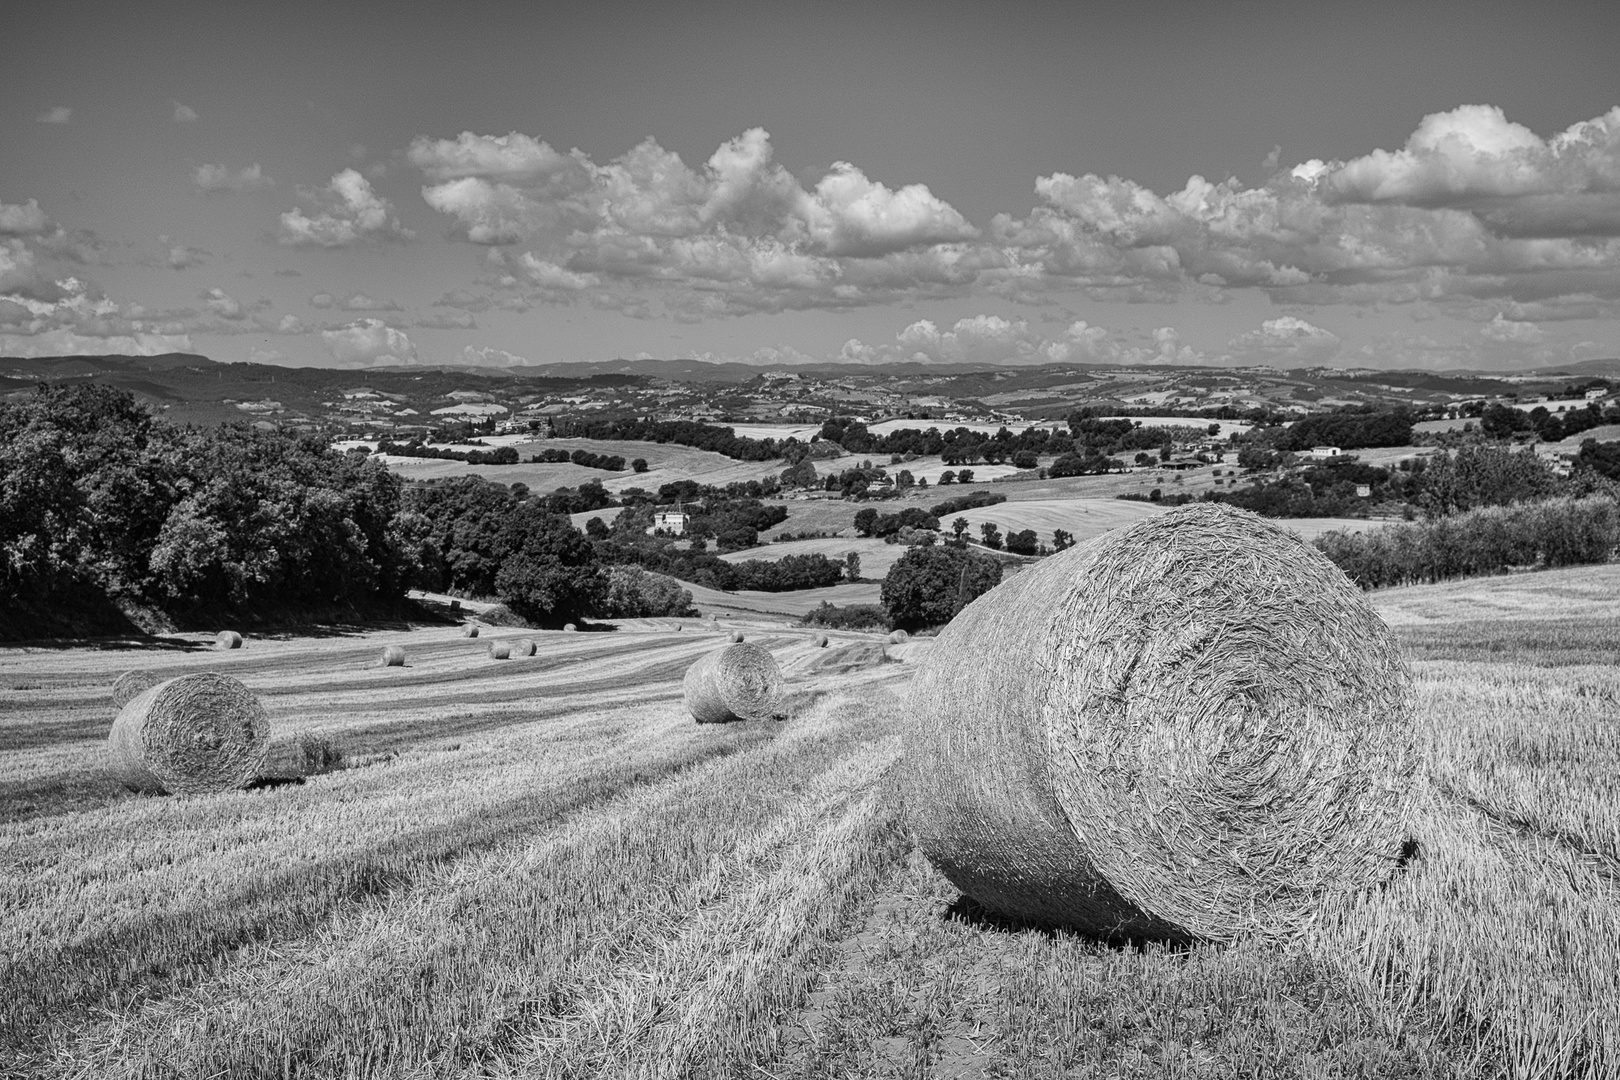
{"x": 190, "y": 735}
{"x": 470, "y": 630}
{"x": 738, "y": 682}
{"x": 821, "y": 641}
{"x": 735, "y": 636}
{"x": 1196, "y": 727}
{"x": 131, "y": 683}
{"x": 500, "y": 650}
{"x": 393, "y": 656}
{"x": 524, "y": 647}
{"x": 228, "y": 639}
{"x": 569, "y": 628}
{"x": 898, "y": 636}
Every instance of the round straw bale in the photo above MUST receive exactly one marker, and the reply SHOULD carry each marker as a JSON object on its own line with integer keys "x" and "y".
{"x": 470, "y": 630}
{"x": 569, "y": 628}
{"x": 197, "y": 733}
{"x": 735, "y": 636}
{"x": 500, "y": 650}
{"x": 228, "y": 639}
{"x": 1194, "y": 728}
{"x": 131, "y": 683}
{"x": 738, "y": 682}
{"x": 821, "y": 641}
{"x": 898, "y": 636}
{"x": 393, "y": 656}
{"x": 524, "y": 647}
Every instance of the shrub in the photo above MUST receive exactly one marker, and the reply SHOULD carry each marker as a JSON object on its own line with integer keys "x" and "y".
{"x": 633, "y": 593}
{"x": 849, "y": 617}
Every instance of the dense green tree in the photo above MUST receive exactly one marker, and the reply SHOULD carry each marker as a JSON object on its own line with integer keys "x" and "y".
{"x": 550, "y": 575}
{"x": 927, "y": 586}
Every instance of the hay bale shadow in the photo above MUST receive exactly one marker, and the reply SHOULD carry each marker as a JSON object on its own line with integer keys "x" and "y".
{"x": 970, "y": 912}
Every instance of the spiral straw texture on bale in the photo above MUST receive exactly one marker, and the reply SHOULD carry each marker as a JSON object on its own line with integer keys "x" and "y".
{"x": 469, "y": 630}
{"x": 131, "y": 683}
{"x": 1194, "y": 728}
{"x": 500, "y": 650}
{"x": 228, "y": 639}
{"x": 524, "y": 647}
{"x": 190, "y": 735}
{"x": 393, "y": 656}
{"x": 739, "y": 682}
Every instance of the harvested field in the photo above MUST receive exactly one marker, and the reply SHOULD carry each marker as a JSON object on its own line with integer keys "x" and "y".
{"x": 666, "y": 462}
{"x": 546, "y": 869}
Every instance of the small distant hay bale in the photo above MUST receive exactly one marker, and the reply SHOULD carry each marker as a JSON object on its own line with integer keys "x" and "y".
{"x": 524, "y": 647}
{"x": 500, "y": 650}
{"x": 191, "y": 735}
{"x": 821, "y": 641}
{"x": 228, "y": 639}
{"x": 735, "y": 636}
{"x": 131, "y": 683}
{"x": 569, "y": 628}
{"x": 899, "y": 636}
{"x": 470, "y": 630}
{"x": 1194, "y": 728}
{"x": 739, "y": 682}
{"x": 393, "y": 656}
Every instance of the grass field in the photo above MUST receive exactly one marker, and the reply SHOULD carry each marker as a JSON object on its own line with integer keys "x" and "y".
{"x": 541, "y": 867}
{"x": 666, "y": 462}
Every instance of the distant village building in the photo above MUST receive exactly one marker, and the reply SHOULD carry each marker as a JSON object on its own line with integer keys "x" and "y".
{"x": 1597, "y": 392}
{"x": 1363, "y": 491}
{"x": 673, "y": 521}
{"x": 1322, "y": 453}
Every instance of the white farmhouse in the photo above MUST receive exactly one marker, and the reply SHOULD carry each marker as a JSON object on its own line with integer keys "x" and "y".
{"x": 670, "y": 521}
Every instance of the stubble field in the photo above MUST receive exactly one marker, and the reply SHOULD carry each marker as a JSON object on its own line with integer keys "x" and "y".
{"x": 542, "y": 867}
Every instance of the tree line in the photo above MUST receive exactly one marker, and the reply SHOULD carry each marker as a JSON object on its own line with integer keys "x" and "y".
{"x": 108, "y": 517}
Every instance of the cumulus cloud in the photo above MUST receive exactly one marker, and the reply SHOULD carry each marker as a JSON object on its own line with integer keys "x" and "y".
{"x": 1512, "y": 331}
{"x": 738, "y": 233}
{"x": 1286, "y": 342}
{"x": 1474, "y": 210}
{"x": 224, "y": 305}
{"x": 182, "y": 256}
{"x": 1475, "y": 152}
{"x": 491, "y": 357}
{"x": 987, "y": 339}
{"x": 348, "y": 212}
{"x": 368, "y": 342}
{"x": 19, "y": 273}
{"x": 361, "y": 302}
{"x": 70, "y": 317}
{"x": 24, "y": 219}
{"x": 184, "y": 114}
{"x": 59, "y": 114}
{"x": 217, "y": 179}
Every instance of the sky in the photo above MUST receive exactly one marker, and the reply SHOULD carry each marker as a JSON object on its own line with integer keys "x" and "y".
{"x": 1381, "y": 184}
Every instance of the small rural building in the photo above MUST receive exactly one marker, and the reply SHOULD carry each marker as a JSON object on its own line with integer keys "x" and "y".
{"x": 1363, "y": 491}
{"x": 673, "y": 520}
{"x": 1322, "y": 453}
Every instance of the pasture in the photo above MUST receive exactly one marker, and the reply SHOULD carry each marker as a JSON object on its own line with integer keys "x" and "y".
{"x": 543, "y": 867}
{"x": 666, "y": 463}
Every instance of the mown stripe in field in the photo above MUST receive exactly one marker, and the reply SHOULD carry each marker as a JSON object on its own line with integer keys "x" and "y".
{"x": 149, "y": 957}
{"x": 468, "y": 964}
